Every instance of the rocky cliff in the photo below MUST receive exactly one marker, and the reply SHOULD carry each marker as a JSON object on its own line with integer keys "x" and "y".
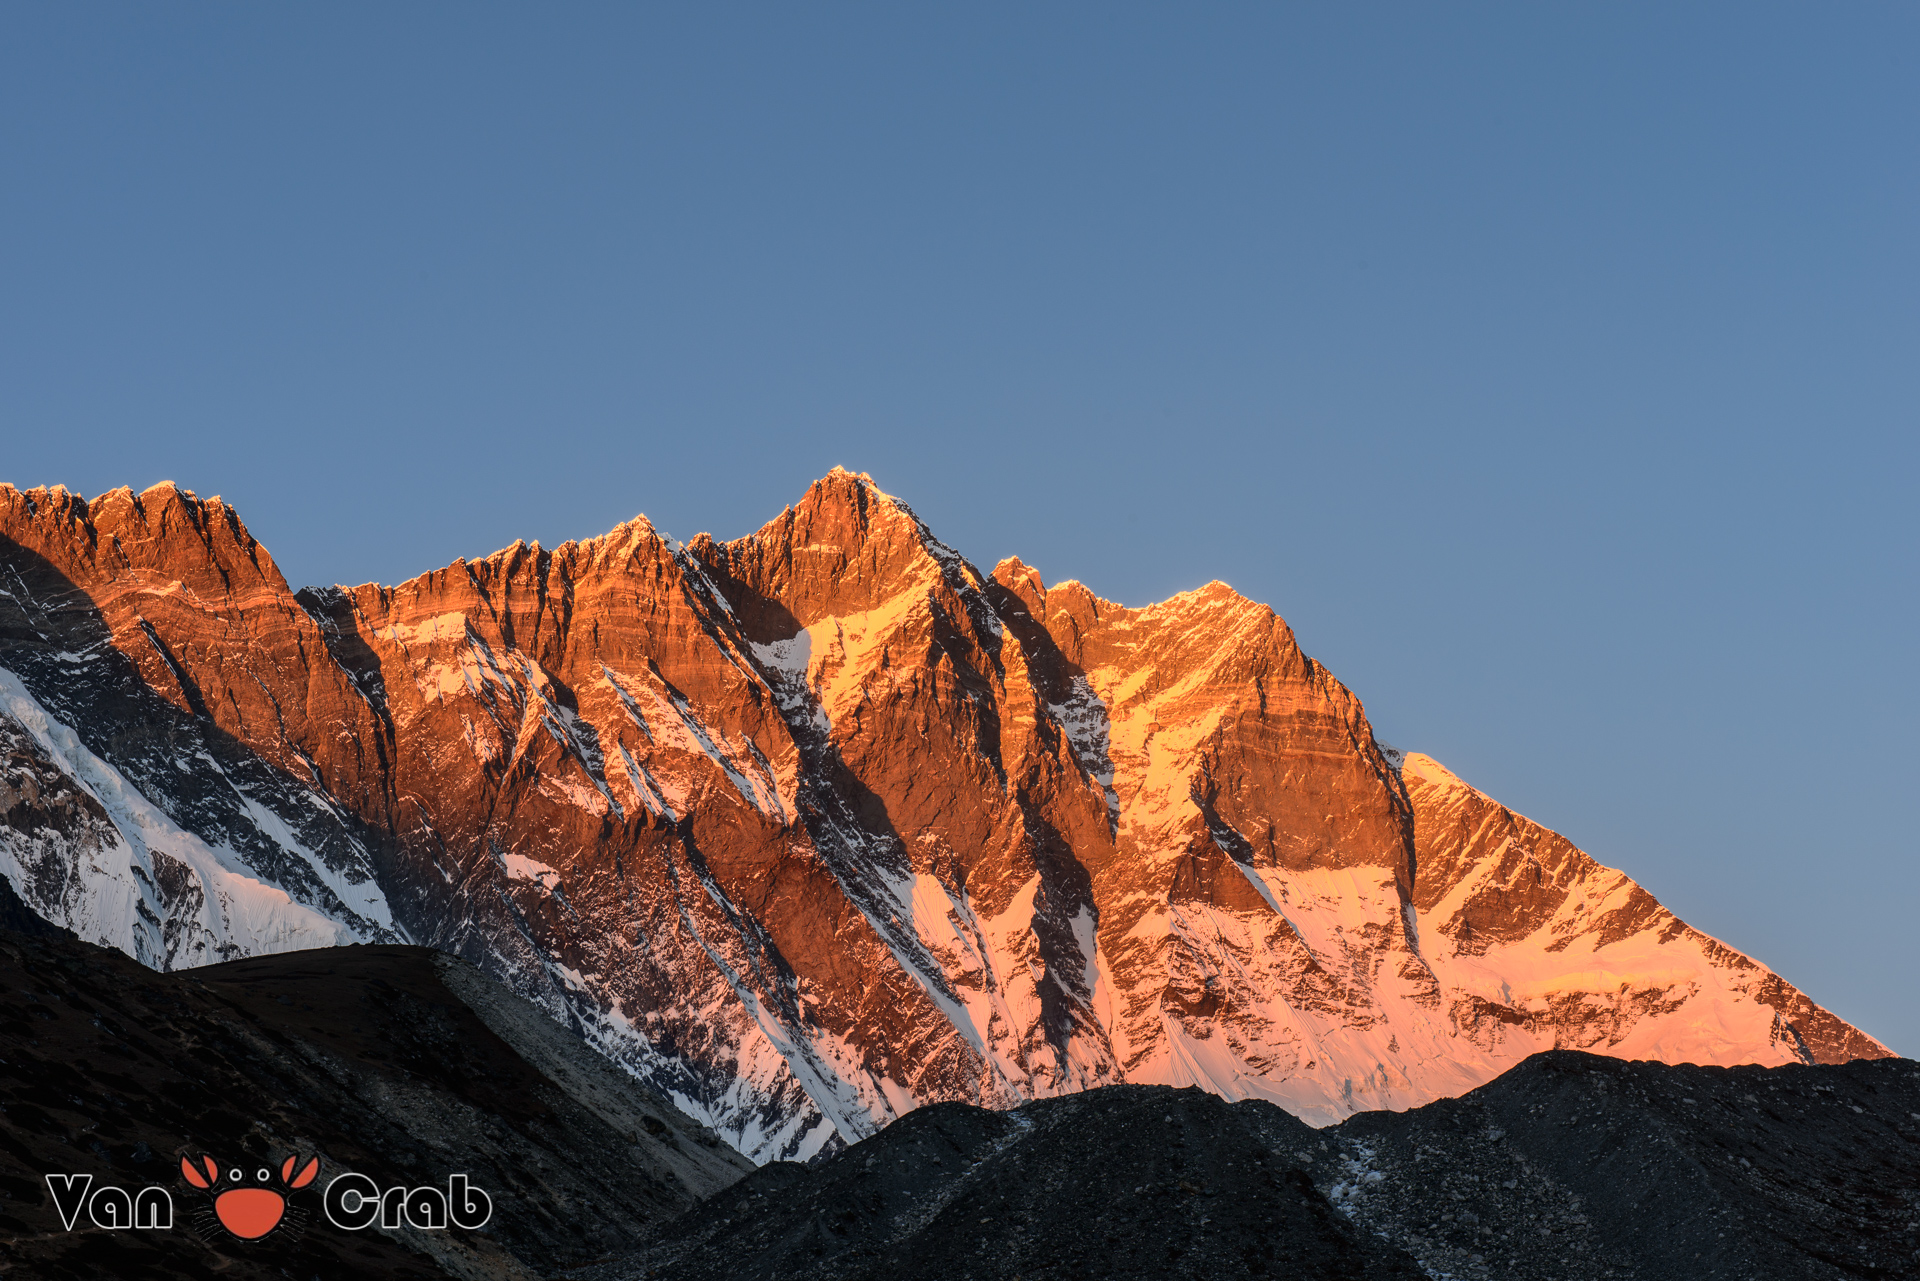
{"x": 816, "y": 826}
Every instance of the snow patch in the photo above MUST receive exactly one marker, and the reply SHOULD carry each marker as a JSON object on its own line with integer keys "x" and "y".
{"x": 1083, "y": 719}
{"x": 521, "y": 868}
{"x": 223, "y": 908}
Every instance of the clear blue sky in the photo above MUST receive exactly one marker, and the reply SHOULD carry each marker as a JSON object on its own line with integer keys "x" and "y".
{"x": 1553, "y": 369}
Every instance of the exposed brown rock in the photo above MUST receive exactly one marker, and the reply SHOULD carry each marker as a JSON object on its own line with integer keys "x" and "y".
{"x": 817, "y": 825}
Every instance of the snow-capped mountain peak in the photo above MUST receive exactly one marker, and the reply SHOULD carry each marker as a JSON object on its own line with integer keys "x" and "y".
{"x": 819, "y": 825}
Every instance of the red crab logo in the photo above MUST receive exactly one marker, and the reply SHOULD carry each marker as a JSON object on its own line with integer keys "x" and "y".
{"x": 251, "y": 1208}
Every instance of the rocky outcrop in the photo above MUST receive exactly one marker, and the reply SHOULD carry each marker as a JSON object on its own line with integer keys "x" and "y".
{"x": 816, "y": 826}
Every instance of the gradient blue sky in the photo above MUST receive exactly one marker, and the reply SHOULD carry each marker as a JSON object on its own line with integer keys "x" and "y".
{"x": 1552, "y": 369}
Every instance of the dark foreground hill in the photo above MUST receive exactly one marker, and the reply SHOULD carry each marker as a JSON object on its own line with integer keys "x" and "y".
{"x": 396, "y": 1062}
{"x": 1133, "y": 1181}
{"x": 1570, "y": 1166}
{"x": 1574, "y": 1165}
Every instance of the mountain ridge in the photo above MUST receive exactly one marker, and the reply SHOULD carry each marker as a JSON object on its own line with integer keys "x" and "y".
{"x": 814, "y": 826}
{"x": 1567, "y": 1167}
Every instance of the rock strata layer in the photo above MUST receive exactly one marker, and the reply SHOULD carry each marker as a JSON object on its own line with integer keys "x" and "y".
{"x": 817, "y": 826}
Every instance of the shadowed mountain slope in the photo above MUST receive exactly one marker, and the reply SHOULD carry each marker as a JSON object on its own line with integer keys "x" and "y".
{"x": 1580, "y": 1166}
{"x": 396, "y": 1062}
{"x": 1569, "y": 1167}
{"x": 1123, "y": 1182}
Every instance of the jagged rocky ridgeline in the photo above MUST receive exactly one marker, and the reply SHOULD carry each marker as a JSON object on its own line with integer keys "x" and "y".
{"x": 400, "y": 1063}
{"x": 817, "y": 826}
{"x": 1569, "y": 1167}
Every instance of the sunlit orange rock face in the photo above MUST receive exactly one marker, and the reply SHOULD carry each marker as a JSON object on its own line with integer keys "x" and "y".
{"x": 818, "y": 825}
